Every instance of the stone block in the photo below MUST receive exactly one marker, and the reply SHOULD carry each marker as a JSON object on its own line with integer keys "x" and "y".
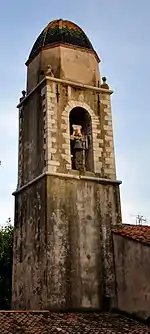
{"x": 66, "y": 111}
{"x": 50, "y": 104}
{"x": 109, "y": 171}
{"x": 94, "y": 127}
{"x": 109, "y": 149}
{"x": 108, "y": 118}
{"x": 53, "y": 163}
{"x": 51, "y": 169}
{"x": 49, "y": 88}
{"x": 95, "y": 145}
{"x": 109, "y": 144}
{"x": 69, "y": 92}
{"x": 108, "y": 138}
{"x": 100, "y": 141}
{"x": 64, "y": 126}
{"x": 53, "y": 120}
{"x": 49, "y": 121}
{"x": 68, "y": 166}
{"x": 97, "y": 167}
{"x": 51, "y": 149}
{"x": 66, "y": 137}
{"x": 95, "y": 121}
{"x": 53, "y": 139}
{"x": 97, "y": 158}
{"x": 110, "y": 133}
{"x": 50, "y": 128}
{"x": 65, "y": 145}
{"x": 51, "y": 95}
{"x": 109, "y": 161}
{"x": 107, "y": 127}
{"x": 50, "y": 112}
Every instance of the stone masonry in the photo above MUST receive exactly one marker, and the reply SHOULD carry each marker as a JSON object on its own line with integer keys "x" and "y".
{"x": 102, "y": 134}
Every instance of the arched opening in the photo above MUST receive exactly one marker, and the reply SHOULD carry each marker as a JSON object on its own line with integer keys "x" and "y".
{"x": 81, "y": 139}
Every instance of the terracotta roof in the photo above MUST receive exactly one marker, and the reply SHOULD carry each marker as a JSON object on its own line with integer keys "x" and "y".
{"x": 136, "y": 232}
{"x": 30, "y": 322}
{"x": 60, "y": 32}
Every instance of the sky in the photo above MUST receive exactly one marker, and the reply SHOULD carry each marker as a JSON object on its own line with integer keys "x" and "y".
{"x": 119, "y": 31}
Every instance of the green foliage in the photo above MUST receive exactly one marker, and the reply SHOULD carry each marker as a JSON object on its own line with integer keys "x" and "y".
{"x": 6, "y": 252}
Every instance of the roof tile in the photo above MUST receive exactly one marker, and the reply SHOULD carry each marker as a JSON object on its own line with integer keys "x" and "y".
{"x": 61, "y": 32}
{"x": 140, "y": 233}
{"x": 32, "y": 322}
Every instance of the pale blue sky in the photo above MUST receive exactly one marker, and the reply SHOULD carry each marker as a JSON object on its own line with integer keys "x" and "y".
{"x": 119, "y": 31}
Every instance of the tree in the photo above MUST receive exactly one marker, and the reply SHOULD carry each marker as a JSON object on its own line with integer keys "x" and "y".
{"x": 6, "y": 253}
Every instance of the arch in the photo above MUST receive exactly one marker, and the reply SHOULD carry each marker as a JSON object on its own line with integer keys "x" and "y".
{"x": 80, "y": 126}
{"x": 73, "y": 104}
{"x": 96, "y": 134}
{"x": 79, "y": 116}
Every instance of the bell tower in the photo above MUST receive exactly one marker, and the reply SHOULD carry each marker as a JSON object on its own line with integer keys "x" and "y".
{"x": 67, "y": 198}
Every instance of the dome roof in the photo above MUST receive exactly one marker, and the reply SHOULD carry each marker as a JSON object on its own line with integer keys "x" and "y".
{"x": 60, "y": 32}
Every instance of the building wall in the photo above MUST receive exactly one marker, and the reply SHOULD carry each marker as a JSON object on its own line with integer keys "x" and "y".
{"x": 132, "y": 263}
{"x": 63, "y": 255}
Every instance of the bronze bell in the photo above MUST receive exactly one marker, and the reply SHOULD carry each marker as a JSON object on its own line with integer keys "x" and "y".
{"x": 78, "y": 145}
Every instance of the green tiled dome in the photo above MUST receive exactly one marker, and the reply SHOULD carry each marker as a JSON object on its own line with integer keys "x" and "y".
{"x": 60, "y": 32}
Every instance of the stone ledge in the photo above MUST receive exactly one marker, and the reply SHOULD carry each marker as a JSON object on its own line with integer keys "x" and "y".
{"x": 69, "y": 83}
{"x": 68, "y": 176}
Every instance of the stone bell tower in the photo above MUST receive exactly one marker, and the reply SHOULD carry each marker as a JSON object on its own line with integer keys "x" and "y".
{"x": 67, "y": 197}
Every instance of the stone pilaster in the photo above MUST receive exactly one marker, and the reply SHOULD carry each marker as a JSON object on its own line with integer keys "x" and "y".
{"x": 109, "y": 168}
{"x": 50, "y": 127}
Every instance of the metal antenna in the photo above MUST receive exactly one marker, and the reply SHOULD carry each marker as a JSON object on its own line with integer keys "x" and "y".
{"x": 139, "y": 219}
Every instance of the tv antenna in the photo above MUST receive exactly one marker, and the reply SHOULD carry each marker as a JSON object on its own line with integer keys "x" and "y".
{"x": 139, "y": 219}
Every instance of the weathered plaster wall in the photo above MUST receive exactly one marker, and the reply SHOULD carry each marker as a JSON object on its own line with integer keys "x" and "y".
{"x": 70, "y": 63}
{"x": 63, "y": 256}
{"x": 31, "y": 139}
{"x": 29, "y": 257}
{"x": 80, "y": 66}
{"x": 50, "y": 56}
{"x": 132, "y": 263}
{"x": 33, "y": 73}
